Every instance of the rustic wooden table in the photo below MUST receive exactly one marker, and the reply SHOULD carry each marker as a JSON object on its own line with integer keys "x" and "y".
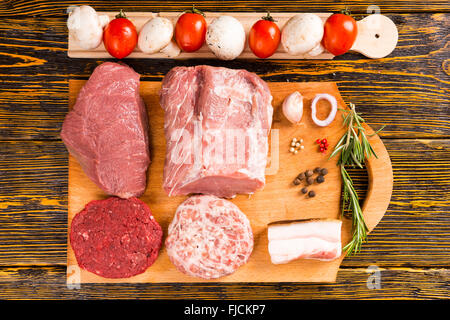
{"x": 408, "y": 91}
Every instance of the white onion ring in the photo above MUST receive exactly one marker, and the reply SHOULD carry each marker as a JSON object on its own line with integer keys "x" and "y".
{"x": 331, "y": 116}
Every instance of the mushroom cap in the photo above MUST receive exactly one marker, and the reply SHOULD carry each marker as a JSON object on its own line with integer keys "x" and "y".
{"x": 86, "y": 27}
{"x": 317, "y": 50}
{"x": 226, "y": 37}
{"x": 155, "y": 35}
{"x": 171, "y": 50}
{"x": 302, "y": 33}
{"x": 79, "y": 16}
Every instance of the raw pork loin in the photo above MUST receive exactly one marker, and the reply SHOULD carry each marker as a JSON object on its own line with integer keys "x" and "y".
{"x": 217, "y": 122}
{"x": 107, "y": 131}
{"x": 209, "y": 237}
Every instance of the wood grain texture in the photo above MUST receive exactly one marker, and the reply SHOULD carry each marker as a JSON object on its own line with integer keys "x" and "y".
{"x": 396, "y": 283}
{"x": 414, "y": 231}
{"x": 58, "y": 8}
{"x": 408, "y": 91}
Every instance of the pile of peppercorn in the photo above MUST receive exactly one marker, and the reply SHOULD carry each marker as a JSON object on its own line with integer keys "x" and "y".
{"x": 308, "y": 178}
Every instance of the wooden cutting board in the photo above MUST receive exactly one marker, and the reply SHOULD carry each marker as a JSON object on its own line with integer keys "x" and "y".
{"x": 279, "y": 200}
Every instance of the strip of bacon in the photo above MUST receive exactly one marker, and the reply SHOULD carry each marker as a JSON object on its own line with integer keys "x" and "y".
{"x": 318, "y": 239}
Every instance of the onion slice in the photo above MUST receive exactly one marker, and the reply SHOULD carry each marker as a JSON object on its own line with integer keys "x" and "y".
{"x": 332, "y": 100}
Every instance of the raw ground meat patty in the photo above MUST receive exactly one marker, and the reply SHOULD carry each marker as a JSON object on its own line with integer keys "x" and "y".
{"x": 115, "y": 238}
{"x": 209, "y": 237}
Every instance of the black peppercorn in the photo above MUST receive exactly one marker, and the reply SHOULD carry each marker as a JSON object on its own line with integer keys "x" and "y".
{"x": 311, "y": 194}
{"x": 304, "y": 190}
{"x": 301, "y": 176}
{"x": 320, "y": 179}
{"x": 324, "y": 171}
{"x": 317, "y": 170}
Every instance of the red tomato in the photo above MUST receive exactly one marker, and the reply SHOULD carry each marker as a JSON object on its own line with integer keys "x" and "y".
{"x": 264, "y": 37}
{"x": 339, "y": 33}
{"x": 190, "y": 30}
{"x": 120, "y": 36}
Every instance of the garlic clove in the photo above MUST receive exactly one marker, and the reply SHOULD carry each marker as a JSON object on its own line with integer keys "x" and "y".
{"x": 293, "y": 107}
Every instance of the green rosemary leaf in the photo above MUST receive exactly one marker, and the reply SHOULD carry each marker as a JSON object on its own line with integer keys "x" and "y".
{"x": 356, "y": 161}
{"x": 336, "y": 150}
{"x": 376, "y": 132}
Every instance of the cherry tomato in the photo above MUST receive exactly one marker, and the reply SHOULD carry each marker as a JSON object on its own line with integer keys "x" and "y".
{"x": 339, "y": 33}
{"x": 120, "y": 36}
{"x": 264, "y": 37}
{"x": 190, "y": 30}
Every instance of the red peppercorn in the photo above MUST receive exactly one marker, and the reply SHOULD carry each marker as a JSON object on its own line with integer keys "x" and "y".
{"x": 323, "y": 144}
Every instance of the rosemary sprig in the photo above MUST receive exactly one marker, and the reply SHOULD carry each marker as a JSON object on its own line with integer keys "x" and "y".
{"x": 350, "y": 202}
{"x": 354, "y": 148}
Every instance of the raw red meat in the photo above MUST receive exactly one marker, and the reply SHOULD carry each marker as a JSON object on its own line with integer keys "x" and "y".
{"x": 209, "y": 237}
{"x": 107, "y": 131}
{"x": 115, "y": 238}
{"x": 216, "y": 123}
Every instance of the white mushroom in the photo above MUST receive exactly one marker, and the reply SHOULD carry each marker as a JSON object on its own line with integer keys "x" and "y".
{"x": 316, "y": 50}
{"x": 86, "y": 26}
{"x": 156, "y": 35}
{"x": 302, "y": 33}
{"x": 226, "y": 37}
{"x": 171, "y": 50}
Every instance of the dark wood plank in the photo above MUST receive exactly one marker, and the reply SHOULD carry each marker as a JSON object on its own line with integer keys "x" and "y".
{"x": 408, "y": 90}
{"x": 33, "y": 198}
{"x": 414, "y": 231}
{"x": 395, "y": 283}
{"x": 416, "y": 223}
{"x": 58, "y": 8}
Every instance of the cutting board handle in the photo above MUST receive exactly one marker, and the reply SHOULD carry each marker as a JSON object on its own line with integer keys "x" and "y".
{"x": 379, "y": 192}
{"x": 377, "y": 36}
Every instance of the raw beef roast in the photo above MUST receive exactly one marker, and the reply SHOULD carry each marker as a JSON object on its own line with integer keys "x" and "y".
{"x": 216, "y": 123}
{"x": 107, "y": 131}
{"x": 209, "y": 237}
{"x": 115, "y": 238}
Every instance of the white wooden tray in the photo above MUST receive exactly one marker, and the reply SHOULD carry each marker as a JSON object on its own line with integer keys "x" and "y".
{"x": 377, "y": 36}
